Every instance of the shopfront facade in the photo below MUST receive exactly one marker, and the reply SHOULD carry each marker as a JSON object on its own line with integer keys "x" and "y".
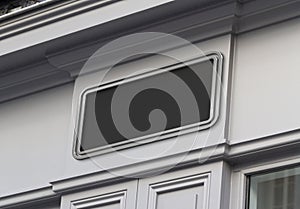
{"x": 244, "y": 154}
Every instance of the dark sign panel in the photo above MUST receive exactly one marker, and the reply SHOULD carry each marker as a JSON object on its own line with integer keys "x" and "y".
{"x": 148, "y": 107}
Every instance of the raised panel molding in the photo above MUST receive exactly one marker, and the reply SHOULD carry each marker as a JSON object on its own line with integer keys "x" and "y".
{"x": 199, "y": 196}
{"x": 119, "y": 196}
{"x": 199, "y": 187}
{"x": 103, "y": 201}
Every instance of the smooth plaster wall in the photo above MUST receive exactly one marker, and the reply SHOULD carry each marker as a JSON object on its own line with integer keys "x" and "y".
{"x": 36, "y": 135}
{"x": 266, "y": 84}
{"x": 33, "y": 132}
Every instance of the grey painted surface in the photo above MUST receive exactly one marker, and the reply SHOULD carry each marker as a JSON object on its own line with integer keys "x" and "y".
{"x": 39, "y": 135}
{"x": 36, "y": 131}
{"x": 262, "y": 89}
{"x": 266, "y": 82}
{"x": 51, "y": 204}
{"x": 197, "y": 187}
{"x": 76, "y": 23}
{"x": 62, "y": 57}
{"x": 33, "y": 132}
{"x": 162, "y": 148}
{"x": 194, "y": 188}
{"x": 118, "y": 196}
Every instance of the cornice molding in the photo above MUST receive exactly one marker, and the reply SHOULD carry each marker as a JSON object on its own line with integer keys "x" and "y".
{"x": 13, "y": 7}
{"x": 59, "y": 60}
{"x": 263, "y": 150}
{"x": 44, "y": 13}
{"x": 27, "y": 197}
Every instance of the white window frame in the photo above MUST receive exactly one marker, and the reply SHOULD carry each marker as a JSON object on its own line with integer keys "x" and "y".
{"x": 239, "y": 180}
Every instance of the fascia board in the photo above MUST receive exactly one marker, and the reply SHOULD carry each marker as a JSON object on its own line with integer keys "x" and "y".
{"x": 55, "y": 26}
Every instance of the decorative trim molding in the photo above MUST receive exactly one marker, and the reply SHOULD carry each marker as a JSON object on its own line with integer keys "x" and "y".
{"x": 282, "y": 146}
{"x": 98, "y": 201}
{"x": 44, "y": 13}
{"x": 12, "y": 7}
{"x": 26, "y": 197}
{"x": 217, "y": 68}
{"x": 177, "y": 184}
{"x": 208, "y": 19}
{"x": 66, "y": 55}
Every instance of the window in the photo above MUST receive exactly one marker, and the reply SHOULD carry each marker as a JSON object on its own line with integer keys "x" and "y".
{"x": 276, "y": 190}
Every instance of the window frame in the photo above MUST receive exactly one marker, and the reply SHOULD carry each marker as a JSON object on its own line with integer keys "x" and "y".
{"x": 214, "y": 109}
{"x": 240, "y": 179}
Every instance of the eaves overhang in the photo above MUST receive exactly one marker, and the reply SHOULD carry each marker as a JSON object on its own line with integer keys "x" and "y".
{"x": 47, "y": 46}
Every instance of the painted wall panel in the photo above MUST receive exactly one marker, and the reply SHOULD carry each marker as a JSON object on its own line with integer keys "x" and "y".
{"x": 171, "y": 146}
{"x": 37, "y": 134}
{"x": 266, "y": 82}
{"x": 187, "y": 195}
{"x": 195, "y": 188}
{"x": 119, "y": 196}
{"x": 33, "y": 133}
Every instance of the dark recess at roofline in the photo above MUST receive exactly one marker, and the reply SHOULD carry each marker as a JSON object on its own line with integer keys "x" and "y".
{"x": 9, "y": 6}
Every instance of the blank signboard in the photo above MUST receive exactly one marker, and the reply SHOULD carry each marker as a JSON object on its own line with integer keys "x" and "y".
{"x": 146, "y": 107}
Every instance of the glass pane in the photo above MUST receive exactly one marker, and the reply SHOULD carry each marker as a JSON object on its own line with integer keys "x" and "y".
{"x": 277, "y": 190}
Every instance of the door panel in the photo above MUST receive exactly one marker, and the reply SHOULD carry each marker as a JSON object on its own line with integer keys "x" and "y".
{"x": 121, "y": 196}
{"x": 199, "y": 187}
{"x": 188, "y": 193}
{"x": 109, "y": 201}
{"x": 194, "y": 188}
